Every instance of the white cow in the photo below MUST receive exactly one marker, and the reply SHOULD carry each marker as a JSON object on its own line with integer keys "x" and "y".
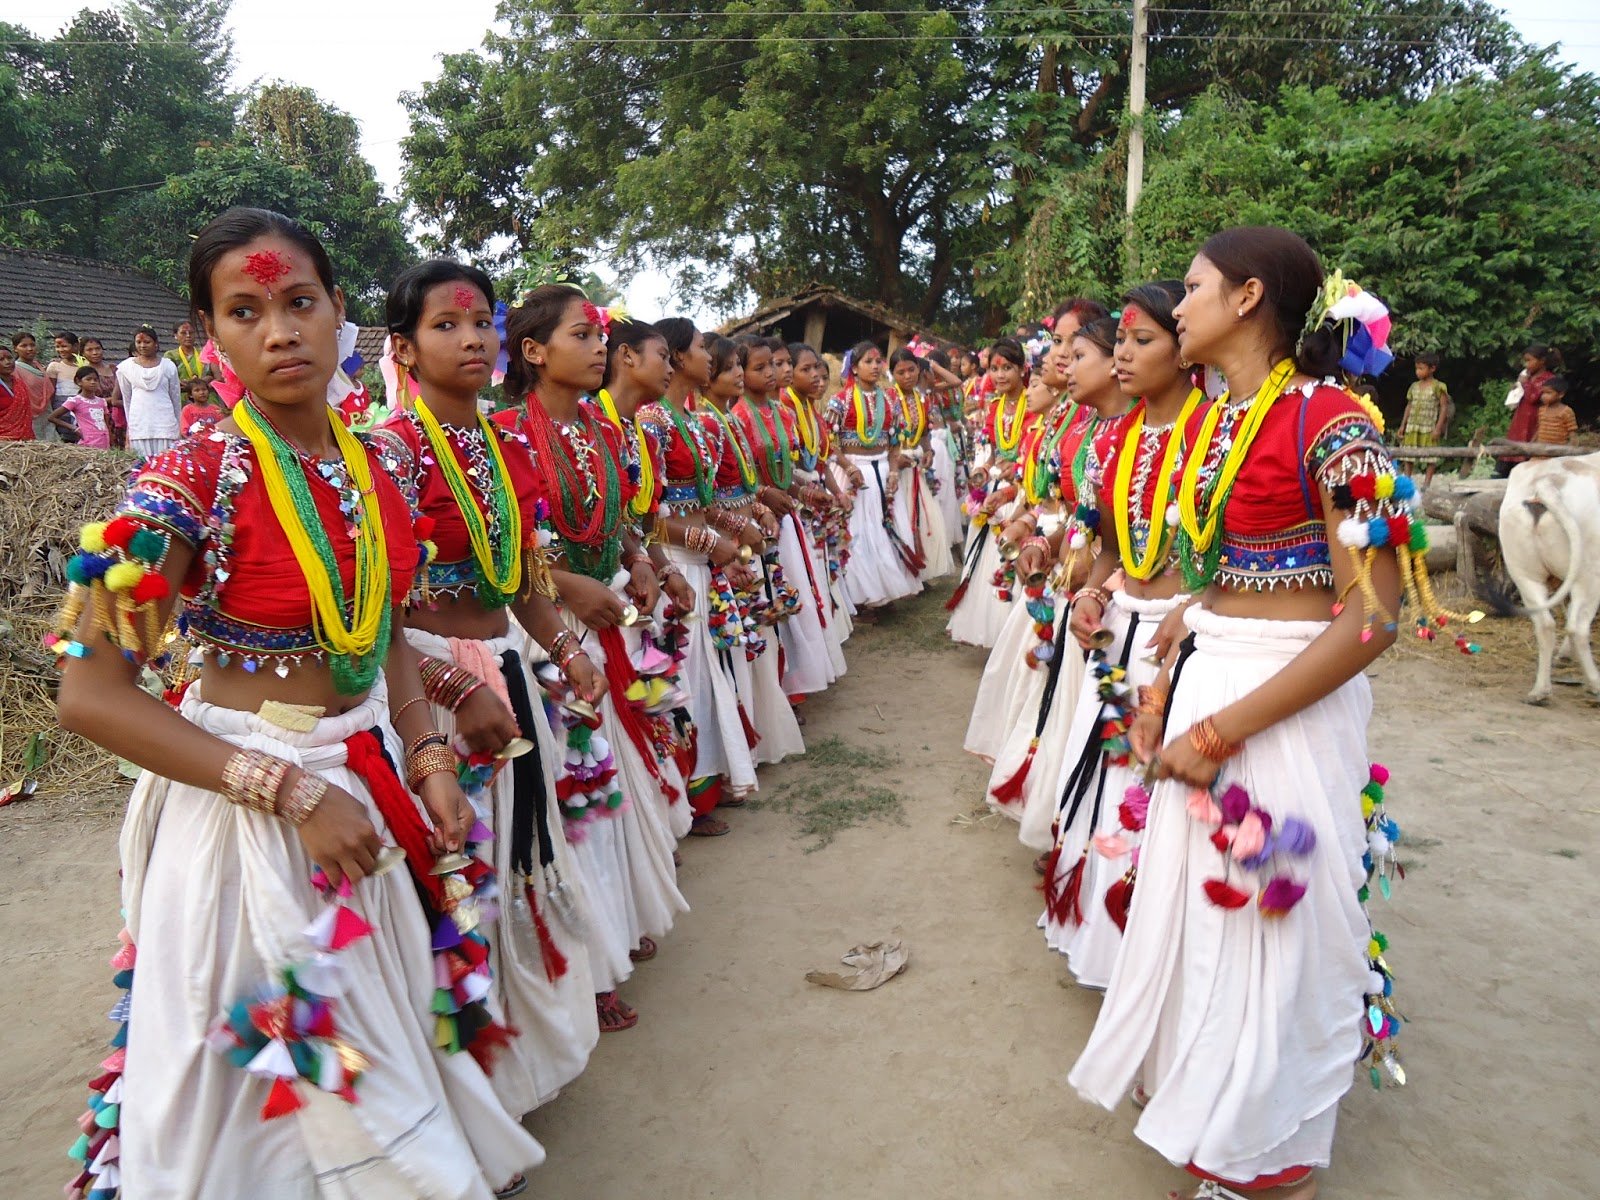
{"x": 1550, "y": 530}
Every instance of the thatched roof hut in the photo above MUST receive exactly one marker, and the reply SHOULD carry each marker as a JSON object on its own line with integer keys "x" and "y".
{"x": 824, "y": 317}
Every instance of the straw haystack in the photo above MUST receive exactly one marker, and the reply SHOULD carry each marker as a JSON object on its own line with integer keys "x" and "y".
{"x": 47, "y": 491}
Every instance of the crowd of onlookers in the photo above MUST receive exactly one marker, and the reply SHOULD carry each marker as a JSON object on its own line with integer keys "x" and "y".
{"x": 144, "y": 403}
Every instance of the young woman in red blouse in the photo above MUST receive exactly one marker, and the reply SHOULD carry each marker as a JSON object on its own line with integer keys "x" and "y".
{"x": 615, "y": 810}
{"x": 1138, "y": 464}
{"x": 254, "y": 860}
{"x": 1243, "y": 991}
{"x": 811, "y": 660}
{"x": 473, "y": 485}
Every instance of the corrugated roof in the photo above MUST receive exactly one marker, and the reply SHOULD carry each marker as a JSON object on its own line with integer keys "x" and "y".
{"x": 91, "y": 298}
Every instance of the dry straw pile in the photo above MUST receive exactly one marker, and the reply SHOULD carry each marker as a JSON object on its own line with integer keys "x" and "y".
{"x": 47, "y": 491}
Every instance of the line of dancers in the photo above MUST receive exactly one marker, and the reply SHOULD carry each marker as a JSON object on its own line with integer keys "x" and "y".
{"x": 1185, "y": 544}
{"x": 411, "y": 804}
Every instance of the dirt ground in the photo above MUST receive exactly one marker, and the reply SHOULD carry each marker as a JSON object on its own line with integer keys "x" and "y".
{"x": 744, "y": 1082}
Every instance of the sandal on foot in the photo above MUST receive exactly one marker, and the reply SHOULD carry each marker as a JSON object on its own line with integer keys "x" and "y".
{"x": 615, "y": 1016}
{"x": 1041, "y": 862}
{"x": 677, "y": 859}
{"x": 709, "y": 826}
{"x": 645, "y": 951}
{"x": 518, "y": 1185}
{"x": 733, "y": 801}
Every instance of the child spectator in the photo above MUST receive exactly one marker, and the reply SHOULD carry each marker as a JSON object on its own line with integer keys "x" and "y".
{"x": 85, "y": 414}
{"x": 95, "y": 352}
{"x": 1428, "y": 412}
{"x": 1557, "y": 421}
{"x": 204, "y": 408}
{"x": 16, "y": 405}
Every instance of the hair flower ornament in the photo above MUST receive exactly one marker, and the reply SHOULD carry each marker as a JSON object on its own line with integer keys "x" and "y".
{"x": 604, "y": 317}
{"x": 1363, "y": 320}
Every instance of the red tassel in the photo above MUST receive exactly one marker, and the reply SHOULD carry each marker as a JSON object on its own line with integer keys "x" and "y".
{"x": 1010, "y": 791}
{"x": 621, "y": 675}
{"x": 1224, "y": 895}
{"x": 750, "y": 734}
{"x": 281, "y": 1100}
{"x": 399, "y": 811}
{"x": 488, "y": 1042}
{"x": 954, "y": 602}
{"x": 1046, "y": 884}
{"x": 1119, "y": 896}
{"x": 555, "y": 963}
{"x": 1072, "y": 900}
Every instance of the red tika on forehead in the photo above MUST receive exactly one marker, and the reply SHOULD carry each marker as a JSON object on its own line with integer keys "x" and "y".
{"x": 465, "y": 298}
{"x": 1130, "y": 313}
{"x": 266, "y": 267}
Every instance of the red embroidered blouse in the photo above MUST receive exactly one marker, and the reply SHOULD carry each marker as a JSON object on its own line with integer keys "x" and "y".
{"x": 244, "y": 593}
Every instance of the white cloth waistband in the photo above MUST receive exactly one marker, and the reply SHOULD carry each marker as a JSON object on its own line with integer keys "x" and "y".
{"x": 1147, "y": 607}
{"x": 1219, "y": 635}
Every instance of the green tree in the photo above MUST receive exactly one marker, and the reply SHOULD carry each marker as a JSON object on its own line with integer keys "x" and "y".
{"x": 122, "y": 100}
{"x": 1474, "y": 211}
{"x": 161, "y": 224}
{"x": 888, "y": 148}
{"x": 730, "y": 139}
{"x": 294, "y": 126}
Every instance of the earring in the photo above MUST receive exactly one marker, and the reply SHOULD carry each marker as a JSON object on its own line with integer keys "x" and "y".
{"x": 1241, "y": 314}
{"x": 1183, "y": 363}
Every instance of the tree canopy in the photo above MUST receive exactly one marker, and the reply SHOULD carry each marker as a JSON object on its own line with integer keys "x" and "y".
{"x": 886, "y": 148}
{"x": 1473, "y": 211}
{"x": 119, "y": 140}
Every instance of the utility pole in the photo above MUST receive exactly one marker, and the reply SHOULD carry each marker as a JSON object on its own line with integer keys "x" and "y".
{"x": 1141, "y": 43}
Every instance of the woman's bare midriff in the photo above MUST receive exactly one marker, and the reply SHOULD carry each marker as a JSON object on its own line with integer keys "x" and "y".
{"x": 308, "y": 684}
{"x": 1163, "y": 587}
{"x": 1283, "y": 604}
{"x": 459, "y": 617}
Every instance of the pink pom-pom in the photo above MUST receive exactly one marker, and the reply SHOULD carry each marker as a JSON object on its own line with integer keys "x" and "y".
{"x": 1380, "y": 773}
{"x": 1250, "y": 837}
{"x": 1110, "y": 845}
{"x": 1202, "y": 808}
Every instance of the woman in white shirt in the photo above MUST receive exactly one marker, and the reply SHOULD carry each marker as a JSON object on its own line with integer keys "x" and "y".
{"x": 150, "y": 395}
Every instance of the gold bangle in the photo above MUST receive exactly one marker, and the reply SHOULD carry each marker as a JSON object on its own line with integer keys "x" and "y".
{"x": 1208, "y": 742}
{"x": 431, "y": 760}
{"x": 303, "y": 798}
{"x": 1153, "y": 700}
{"x": 394, "y": 717}
{"x": 423, "y": 739}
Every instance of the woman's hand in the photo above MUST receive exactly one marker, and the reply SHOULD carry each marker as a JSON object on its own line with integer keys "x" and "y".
{"x": 854, "y": 475}
{"x": 679, "y": 592}
{"x": 1181, "y": 761}
{"x": 740, "y": 577}
{"x": 484, "y": 723}
{"x": 767, "y": 521}
{"x": 643, "y": 585}
{"x": 447, "y": 804}
{"x": 1169, "y": 633}
{"x": 586, "y": 679}
{"x": 724, "y": 552}
{"x": 1032, "y": 561}
{"x": 1085, "y": 619}
{"x": 779, "y": 502}
{"x": 340, "y": 837}
{"x": 1144, "y": 735}
{"x": 750, "y": 534}
{"x": 591, "y": 601}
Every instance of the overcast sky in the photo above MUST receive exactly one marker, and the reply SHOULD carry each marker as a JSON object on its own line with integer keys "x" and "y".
{"x": 361, "y": 54}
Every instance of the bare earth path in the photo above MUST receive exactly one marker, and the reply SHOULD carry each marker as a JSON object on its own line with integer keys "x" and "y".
{"x": 744, "y": 1082}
